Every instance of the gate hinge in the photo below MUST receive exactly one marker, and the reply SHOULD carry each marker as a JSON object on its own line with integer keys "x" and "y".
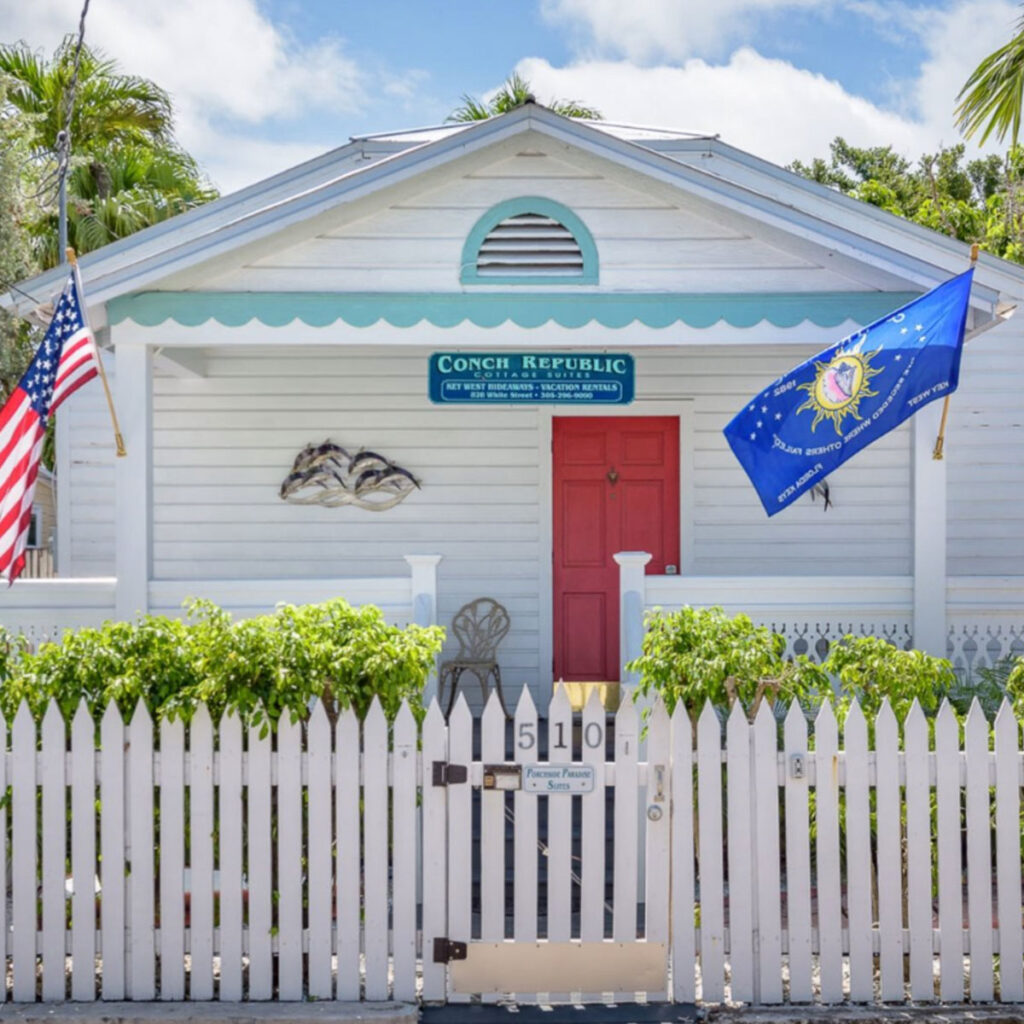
{"x": 445, "y": 951}
{"x": 449, "y": 774}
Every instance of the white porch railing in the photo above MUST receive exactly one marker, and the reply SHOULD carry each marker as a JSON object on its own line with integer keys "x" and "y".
{"x": 44, "y": 609}
{"x": 984, "y": 614}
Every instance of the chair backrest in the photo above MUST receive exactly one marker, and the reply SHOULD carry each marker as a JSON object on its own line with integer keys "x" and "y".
{"x": 479, "y": 627}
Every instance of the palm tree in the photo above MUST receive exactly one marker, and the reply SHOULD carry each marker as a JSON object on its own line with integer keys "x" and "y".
{"x": 126, "y": 170}
{"x": 515, "y": 92}
{"x": 992, "y": 99}
{"x": 120, "y": 191}
{"x": 110, "y": 107}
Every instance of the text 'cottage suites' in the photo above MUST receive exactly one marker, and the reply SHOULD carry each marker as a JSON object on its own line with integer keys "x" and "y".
{"x": 496, "y": 360}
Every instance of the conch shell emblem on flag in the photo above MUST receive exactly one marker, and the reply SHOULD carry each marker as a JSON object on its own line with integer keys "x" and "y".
{"x": 839, "y": 386}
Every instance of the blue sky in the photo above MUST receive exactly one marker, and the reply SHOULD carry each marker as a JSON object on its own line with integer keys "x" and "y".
{"x": 262, "y": 84}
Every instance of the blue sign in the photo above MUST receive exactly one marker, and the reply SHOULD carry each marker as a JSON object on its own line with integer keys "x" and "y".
{"x": 531, "y": 378}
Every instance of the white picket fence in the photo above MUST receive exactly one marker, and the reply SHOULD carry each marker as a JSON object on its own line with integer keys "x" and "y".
{"x": 321, "y": 861}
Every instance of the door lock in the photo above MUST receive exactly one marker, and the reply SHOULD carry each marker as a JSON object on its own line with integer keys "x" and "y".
{"x": 613, "y": 476}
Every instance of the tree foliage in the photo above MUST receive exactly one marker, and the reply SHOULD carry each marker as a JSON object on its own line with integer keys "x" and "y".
{"x": 515, "y": 91}
{"x": 992, "y": 98}
{"x": 980, "y": 200}
{"x": 127, "y": 170}
{"x": 261, "y": 667}
{"x": 696, "y": 655}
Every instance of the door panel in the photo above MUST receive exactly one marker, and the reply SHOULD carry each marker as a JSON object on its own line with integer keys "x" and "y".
{"x": 616, "y": 488}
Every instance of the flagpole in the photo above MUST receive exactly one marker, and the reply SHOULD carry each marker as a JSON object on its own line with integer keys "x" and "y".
{"x": 118, "y": 439}
{"x": 940, "y": 440}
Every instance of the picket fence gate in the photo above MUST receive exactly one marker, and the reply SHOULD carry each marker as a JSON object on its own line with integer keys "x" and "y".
{"x": 361, "y": 860}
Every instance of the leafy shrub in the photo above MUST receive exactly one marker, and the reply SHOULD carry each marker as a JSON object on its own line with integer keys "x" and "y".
{"x": 259, "y": 667}
{"x": 701, "y": 654}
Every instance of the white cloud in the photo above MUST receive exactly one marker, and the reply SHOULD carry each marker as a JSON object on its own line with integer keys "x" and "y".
{"x": 224, "y": 63}
{"x": 775, "y": 109}
{"x": 768, "y": 107}
{"x": 649, "y": 30}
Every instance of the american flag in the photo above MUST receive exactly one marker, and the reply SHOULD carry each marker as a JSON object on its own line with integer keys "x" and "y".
{"x": 65, "y": 360}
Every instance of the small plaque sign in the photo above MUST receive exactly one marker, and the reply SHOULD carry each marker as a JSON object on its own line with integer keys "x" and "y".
{"x": 531, "y": 378}
{"x": 558, "y": 778}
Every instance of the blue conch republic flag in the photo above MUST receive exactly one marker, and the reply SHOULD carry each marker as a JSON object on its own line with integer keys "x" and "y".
{"x": 809, "y": 422}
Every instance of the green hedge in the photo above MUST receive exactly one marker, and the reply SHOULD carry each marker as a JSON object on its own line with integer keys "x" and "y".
{"x": 702, "y": 654}
{"x": 259, "y": 667}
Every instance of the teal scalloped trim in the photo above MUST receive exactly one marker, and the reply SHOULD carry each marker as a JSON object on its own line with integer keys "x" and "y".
{"x": 528, "y": 204}
{"x": 320, "y": 309}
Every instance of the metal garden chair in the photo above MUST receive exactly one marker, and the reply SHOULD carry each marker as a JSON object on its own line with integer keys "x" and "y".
{"x": 479, "y": 627}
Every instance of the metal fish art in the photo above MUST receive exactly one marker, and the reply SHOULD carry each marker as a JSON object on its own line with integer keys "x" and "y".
{"x": 327, "y": 474}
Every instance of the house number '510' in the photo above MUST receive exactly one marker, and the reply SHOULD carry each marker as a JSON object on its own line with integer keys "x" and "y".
{"x": 593, "y": 736}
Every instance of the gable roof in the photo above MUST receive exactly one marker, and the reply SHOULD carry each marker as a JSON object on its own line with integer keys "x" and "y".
{"x": 702, "y": 165}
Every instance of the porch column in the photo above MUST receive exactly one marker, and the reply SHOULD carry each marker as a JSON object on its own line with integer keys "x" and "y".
{"x": 929, "y": 537}
{"x": 631, "y": 609}
{"x": 133, "y": 504}
{"x": 424, "y": 604}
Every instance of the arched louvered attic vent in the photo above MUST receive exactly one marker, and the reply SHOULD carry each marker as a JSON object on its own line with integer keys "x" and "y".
{"x": 529, "y": 241}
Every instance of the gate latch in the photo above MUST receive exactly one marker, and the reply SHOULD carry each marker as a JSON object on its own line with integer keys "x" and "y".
{"x": 445, "y": 950}
{"x": 445, "y": 774}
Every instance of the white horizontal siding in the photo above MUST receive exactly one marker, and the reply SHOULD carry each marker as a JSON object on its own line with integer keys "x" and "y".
{"x": 91, "y": 478}
{"x": 649, "y": 237}
{"x": 985, "y": 454}
{"x": 224, "y": 443}
{"x": 866, "y": 532}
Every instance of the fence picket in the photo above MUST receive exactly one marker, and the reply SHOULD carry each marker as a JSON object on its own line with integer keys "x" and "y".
{"x": 890, "y": 854}
{"x": 524, "y": 807}
{"x": 684, "y": 947}
{"x": 1008, "y": 859}
{"x": 112, "y": 848}
{"x": 140, "y": 947}
{"x": 200, "y": 870}
{"x": 709, "y": 830}
{"x": 54, "y": 826}
{"x": 83, "y": 855}
{"x": 739, "y": 833}
{"x": 460, "y": 831}
{"x": 658, "y": 834}
{"x": 435, "y": 849}
{"x": 232, "y": 896}
{"x": 559, "y": 865}
{"x": 592, "y": 841}
{"x": 798, "y": 857}
{"x": 375, "y": 851}
{"x": 858, "y": 856}
{"x": 171, "y": 910}
{"x": 979, "y": 854}
{"x": 830, "y": 921}
{"x": 289, "y": 858}
{"x": 318, "y": 846}
{"x": 259, "y": 866}
{"x": 492, "y": 830}
{"x": 919, "y": 863}
{"x": 23, "y": 856}
{"x": 404, "y": 856}
{"x": 765, "y": 783}
{"x": 947, "y": 806}
{"x": 624, "y": 906}
{"x": 348, "y": 870}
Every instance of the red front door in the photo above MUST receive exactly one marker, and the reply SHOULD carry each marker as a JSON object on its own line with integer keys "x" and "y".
{"x": 616, "y": 488}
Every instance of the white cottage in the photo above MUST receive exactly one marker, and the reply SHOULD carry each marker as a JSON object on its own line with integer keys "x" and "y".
{"x": 324, "y": 303}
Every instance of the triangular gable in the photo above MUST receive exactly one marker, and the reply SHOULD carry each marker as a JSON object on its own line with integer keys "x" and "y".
{"x": 282, "y": 211}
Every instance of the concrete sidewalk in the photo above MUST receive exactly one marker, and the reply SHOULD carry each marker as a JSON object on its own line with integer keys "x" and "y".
{"x": 210, "y": 1013}
{"x": 867, "y": 1015}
